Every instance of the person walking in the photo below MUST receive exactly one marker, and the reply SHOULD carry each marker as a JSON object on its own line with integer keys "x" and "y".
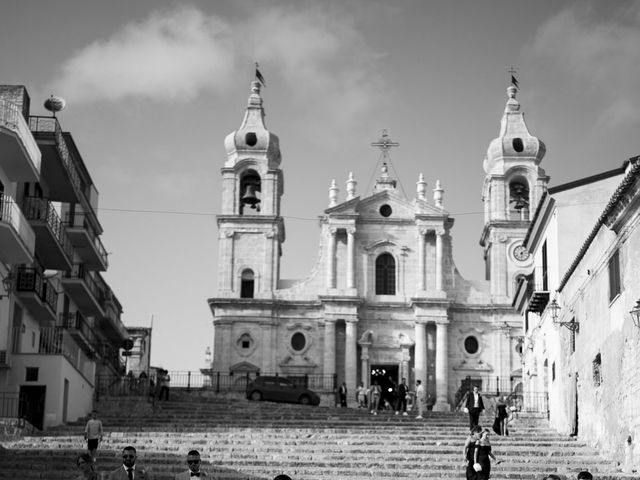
{"x": 129, "y": 470}
{"x": 502, "y": 417}
{"x": 375, "y": 397}
{"x": 342, "y": 394}
{"x": 165, "y": 381}
{"x": 470, "y": 452}
{"x": 401, "y": 404}
{"x": 193, "y": 464}
{"x": 93, "y": 434}
{"x": 420, "y": 398}
{"x": 483, "y": 456}
{"x": 475, "y": 406}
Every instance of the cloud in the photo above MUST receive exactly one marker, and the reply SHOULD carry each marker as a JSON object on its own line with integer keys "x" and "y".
{"x": 170, "y": 56}
{"x": 316, "y": 52}
{"x": 601, "y": 55}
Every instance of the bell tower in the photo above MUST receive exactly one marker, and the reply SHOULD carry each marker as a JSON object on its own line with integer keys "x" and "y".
{"x": 250, "y": 228}
{"x": 513, "y": 185}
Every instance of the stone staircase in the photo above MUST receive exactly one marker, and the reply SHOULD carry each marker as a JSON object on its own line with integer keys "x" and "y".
{"x": 239, "y": 439}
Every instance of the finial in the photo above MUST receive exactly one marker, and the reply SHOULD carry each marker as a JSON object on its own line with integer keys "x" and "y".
{"x": 333, "y": 194}
{"x": 421, "y": 187}
{"x": 438, "y": 193}
{"x": 351, "y": 187}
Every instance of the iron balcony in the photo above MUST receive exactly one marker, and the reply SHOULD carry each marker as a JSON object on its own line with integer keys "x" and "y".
{"x": 21, "y": 157}
{"x": 37, "y": 294}
{"x": 86, "y": 242}
{"x": 17, "y": 238}
{"x": 85, "y": 289}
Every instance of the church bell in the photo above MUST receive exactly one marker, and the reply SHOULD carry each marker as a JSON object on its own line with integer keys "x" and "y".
{"x": 249, "y": 197}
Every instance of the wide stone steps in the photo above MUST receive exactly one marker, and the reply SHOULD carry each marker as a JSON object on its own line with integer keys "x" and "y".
{"x": 246, "y": 440}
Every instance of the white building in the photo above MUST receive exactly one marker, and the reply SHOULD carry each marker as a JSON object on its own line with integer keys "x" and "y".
{"x": 582, "y": 349}
{"x": 385, "y": 294}
{"x": 60, "y": 324}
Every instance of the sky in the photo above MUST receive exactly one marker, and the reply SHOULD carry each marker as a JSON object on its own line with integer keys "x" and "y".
{"x": 153, "y": 87}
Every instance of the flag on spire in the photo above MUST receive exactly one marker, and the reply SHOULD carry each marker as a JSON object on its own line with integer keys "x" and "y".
{"x": 514, "y": 82}
{"x": 259, "y": 76}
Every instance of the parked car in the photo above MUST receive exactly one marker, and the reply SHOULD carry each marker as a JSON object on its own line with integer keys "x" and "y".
{"x": 280, "y": 389}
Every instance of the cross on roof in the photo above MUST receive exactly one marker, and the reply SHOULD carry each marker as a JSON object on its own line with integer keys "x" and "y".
{"x": 385, "y": 144}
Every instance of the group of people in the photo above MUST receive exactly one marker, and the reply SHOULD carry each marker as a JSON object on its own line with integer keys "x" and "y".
{"x": 398, "y": 397}
{"x": 130, "y": 470}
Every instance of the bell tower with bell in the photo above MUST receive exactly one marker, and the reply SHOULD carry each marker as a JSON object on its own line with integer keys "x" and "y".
{"x": 251, "y": 230}
{"x": 513, "y": 185}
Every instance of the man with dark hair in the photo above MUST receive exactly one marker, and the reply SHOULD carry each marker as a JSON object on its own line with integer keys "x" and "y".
{"x": 93, "y": 434}
{"x": 469, "y": 451}
{"x": 475, "y": 406}
{"x": 584, "y": 475}
{"x": 129, "y": 470}
{"x": 193, "y": 462}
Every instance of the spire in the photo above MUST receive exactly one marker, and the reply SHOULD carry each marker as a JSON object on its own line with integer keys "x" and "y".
{"x": 385, "y": 182}
{"x": 514, "y": 140}
{"x": 253, "y": 138}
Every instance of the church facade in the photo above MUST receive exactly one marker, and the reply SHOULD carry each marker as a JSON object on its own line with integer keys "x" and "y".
{"x": 385, "y": 299}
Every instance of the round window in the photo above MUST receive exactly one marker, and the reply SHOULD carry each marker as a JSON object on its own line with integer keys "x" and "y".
{"x": 385, "y": 210}
{"x": 251, "y": 139}
{"x": 298, "y": 341}
{"x": 471, "y": 345}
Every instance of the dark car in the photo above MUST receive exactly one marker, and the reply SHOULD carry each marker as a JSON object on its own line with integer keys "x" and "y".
{"x": 280, "y": 389}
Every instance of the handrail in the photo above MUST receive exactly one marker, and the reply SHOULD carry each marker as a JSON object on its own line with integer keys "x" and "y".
{"x": 79, "y": 220}
{"x": 10, "y": 213}
{"x": 37, "y": 208}
{"x": 12, "y": 118}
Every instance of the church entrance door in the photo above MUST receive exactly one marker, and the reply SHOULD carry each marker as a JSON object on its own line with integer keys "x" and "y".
{"x": 387, "y": 377}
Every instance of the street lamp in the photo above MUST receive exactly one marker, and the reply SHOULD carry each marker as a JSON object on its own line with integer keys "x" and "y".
{"x": 554, "y": 310}
{"x": 635, "y": 314}
{"x": 7, "y": 284}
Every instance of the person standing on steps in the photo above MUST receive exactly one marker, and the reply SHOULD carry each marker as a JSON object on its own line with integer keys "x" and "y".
{"x": 165, "y": 381}
{"x": 475, "y": 406}
{"x": 470, "y": 451}
{"x": 502, "y": 417}
{"x": 483, "y": 455}
{"x": 93, "y": 434}
{"x": 361, "y": 396}
{"x": 193, "y": 462}
{"x": 342, "y": 394}
{"x": 375, "y": 397}
{"x": 403, "y": 390}
{"x": 129, "y": 470}
{"x": 420, "y": 398}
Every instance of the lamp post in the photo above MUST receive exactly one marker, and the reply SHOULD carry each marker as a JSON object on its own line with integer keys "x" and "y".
{"x": 7, "y": 284}
{"x": 635, "y": 314}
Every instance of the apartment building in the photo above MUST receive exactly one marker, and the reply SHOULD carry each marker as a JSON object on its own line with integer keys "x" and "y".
{"x": 60, "y": 322}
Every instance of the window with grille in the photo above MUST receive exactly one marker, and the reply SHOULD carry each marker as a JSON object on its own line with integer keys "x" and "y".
{"x": 385, "y": 275}
{"x": 597, "y": 370}
{"x": 615, "y": 286}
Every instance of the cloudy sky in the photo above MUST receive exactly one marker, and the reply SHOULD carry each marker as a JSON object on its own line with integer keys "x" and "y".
{"x": 153, "y": 87}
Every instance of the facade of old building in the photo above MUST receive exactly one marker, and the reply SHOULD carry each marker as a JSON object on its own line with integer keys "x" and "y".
{"x": 385, "y": 300}
{"x": 60, "y": 322}
{"x": 581, "y": 346}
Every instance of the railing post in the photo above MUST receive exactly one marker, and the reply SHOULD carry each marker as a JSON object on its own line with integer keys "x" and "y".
{"x": 189, "y": 381}
{"x": 497, "y": 385}
{"x": 217, "y": 382}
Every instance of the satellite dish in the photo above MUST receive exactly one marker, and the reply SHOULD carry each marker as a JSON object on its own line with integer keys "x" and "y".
{"x": 54, "y": 104}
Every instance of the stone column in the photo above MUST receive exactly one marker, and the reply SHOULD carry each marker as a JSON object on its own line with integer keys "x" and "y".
{"x": 439, "y": 258}
{"x": 351, "y": 257}
{"x": 331, "y": 259}
{"x": 350, "y": 360}
{"x": 421, "y": 352}
{"x": 422, "y": 270}
{"x": 329, "y": 346}
{"x": 364, "y": 364}
{"x": 442, "y": 367}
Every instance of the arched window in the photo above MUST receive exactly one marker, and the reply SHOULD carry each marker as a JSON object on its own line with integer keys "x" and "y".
{"x": 246, "y": 283}
{"x": 385, "y": 275}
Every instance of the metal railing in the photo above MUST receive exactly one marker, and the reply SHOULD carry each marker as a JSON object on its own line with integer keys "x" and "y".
{"x": 143, "y": 383}
{"x": 36, "y": 208}
{"x": 75, "y": 321}
{"x": 30, "y": 279}
{"x": 10, "y": 405}
{"x": 79, "y": 220}
{"x": 50, "y": 125}
{"x": 10, "y": 213}
{"x": 11, "y": 117}
{"x": 52, "y": 343}
{"x": 78, "y": 271}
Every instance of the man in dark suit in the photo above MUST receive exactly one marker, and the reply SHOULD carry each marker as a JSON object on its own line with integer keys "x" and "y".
{"x": 401, "y": 404}
{"x": 129, "y": 470}
{"x": 193, "y": 462}
{"x": 475, "y": 406}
